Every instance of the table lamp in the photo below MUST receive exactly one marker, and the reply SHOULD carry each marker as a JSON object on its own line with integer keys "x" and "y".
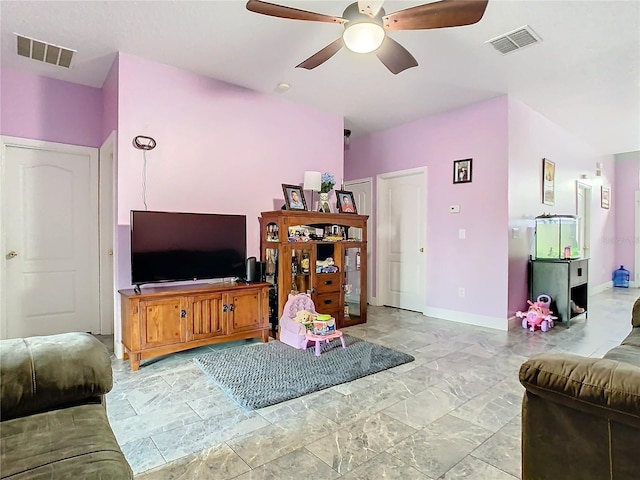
{"x": 313, "y": 182}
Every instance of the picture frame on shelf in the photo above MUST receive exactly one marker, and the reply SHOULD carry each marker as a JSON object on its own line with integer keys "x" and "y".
{"x": 294, "y": 197}
{"x": 605, "y": 197}
{"x": 346, "y": 202}
{"x": 462, "y": 170}
{"x": 548, "y": 182}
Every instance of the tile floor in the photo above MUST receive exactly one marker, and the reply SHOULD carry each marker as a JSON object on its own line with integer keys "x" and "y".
{"x": 453, "y": 413}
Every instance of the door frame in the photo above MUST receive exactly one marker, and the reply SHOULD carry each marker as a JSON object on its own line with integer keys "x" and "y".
{"x": 636, "y": 272}
{"x": 8, "y": 141}
{"x": 107, "y": 160}
{"x": 587, "y": 188}
{"x": 381, "y": 239}
{"x": 371, "y": 299}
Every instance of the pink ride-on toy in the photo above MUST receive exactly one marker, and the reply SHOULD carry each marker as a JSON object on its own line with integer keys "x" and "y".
{"x": 538, "y": 314}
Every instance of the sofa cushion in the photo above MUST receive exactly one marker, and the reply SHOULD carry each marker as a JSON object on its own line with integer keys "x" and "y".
{"x": 70, "y": 443}
{"x": 633, "y": 338}
{"x": 42, "y": 373}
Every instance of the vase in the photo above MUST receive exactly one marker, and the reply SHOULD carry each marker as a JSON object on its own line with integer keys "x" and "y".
{"x": 324, "y": 203}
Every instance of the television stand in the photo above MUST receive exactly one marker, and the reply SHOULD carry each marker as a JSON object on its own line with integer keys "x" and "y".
{"x": 170, "y": 319}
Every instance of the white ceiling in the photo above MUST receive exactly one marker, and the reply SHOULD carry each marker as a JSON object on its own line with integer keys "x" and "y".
{"x": 584, "y": 75}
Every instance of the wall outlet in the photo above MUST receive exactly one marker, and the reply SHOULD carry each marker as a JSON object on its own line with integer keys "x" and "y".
{"x": 454, "y": 209}
{"x": 461, "y": 292}
{"x": 462, "y": 234}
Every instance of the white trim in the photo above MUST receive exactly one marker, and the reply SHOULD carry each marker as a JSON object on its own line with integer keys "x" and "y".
{"x": 595, "y": 289}
{"x": 588, "y": 195}
{"x": 8, "y": 141}
{"x": 118, "y": 349}
{"x": 369, "y": 181}
{"x": 636, "y": 272}
{"x": 380, "y": 180}
{"x": 106, "y": 209}
{"x": 514, "y": 322}
{"x": 468, "y": 318}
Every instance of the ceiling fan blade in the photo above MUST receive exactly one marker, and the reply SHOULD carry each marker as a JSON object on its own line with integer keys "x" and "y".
{"x": 370, "y": 7}
{"x": 394, "y": 56}
{"x": 281, "y": 11}
{"x": 446, "y": 13}
{"x": 323, "y": 55}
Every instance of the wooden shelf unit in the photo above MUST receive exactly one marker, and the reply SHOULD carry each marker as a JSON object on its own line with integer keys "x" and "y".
{"x": 342, "y": 294}
{"x": 167, "y": 319}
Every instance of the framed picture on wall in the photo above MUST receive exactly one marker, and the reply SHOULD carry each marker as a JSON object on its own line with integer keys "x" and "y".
{"x": 462, "y": 171}
{"x": 294, "y": 197}
{"x": 605, "y": 197}
{"x": 548, "y": 182}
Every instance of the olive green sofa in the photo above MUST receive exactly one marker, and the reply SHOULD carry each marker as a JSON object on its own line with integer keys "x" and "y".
{"x": 581, "y": 416}
{"x": 53, "y": 420}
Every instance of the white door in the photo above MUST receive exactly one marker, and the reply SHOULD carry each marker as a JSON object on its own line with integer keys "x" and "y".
{"x": 362, "y": 192}
{"x": 401, "y": 238}
{"x": 583, "y": 212}
{"x": 50, "y": 224}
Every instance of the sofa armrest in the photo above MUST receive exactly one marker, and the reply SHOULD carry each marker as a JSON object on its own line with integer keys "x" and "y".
{"x": 635, "y": 314}
{"x": 39, "y": 374}
{"x": 292, "y": 326}
{"x": 595, "y": 385}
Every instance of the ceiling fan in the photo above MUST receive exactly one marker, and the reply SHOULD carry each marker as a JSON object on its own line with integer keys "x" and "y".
{"x": 365, "y": 24}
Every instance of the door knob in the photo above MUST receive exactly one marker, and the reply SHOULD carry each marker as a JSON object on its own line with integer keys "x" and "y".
{"x": 12, "y": 254}
{"x": 421, "y": 250}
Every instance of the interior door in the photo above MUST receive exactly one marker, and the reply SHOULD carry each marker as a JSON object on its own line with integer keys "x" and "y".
{"x": 362, "y": 192}
{"x": 401, "y": 239}
{"x": 50, "y": 223}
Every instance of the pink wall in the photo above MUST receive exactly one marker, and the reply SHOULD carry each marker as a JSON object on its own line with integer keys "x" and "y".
{"x": 43, "y": 108}
{"x": 478, "y": 263}
{"x": 220, "y": 148}
{"x": 532, "y": 137}
{"x": 627, "y": 173}
{"x": 110, "y": 101}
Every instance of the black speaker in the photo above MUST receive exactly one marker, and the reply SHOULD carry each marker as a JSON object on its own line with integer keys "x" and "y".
{"x": 252, "y": 270}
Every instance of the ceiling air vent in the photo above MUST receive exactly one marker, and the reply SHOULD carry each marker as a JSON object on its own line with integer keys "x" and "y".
{"x": 515, "y": 40}
{"x": 44, "y": 52}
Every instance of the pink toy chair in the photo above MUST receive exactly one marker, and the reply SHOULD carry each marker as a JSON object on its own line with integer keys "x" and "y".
{"x": 291, "y": 332}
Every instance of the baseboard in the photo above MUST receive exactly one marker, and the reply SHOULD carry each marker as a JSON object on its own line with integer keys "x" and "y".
{"x": 118, "y": 350}
{"x": 468, "y": 318}
{"x": 595, "y": 289}
{"x": 514, "y": 322}
{"x": 374, "y": 302}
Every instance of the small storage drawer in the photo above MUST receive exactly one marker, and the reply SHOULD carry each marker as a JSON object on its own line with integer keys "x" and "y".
{"x": 328, "y": 282}
{"x": 578, "y": 273}
{"x": 327, "y": 302}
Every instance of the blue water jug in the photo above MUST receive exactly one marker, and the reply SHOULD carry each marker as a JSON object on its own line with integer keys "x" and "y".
{"x": 621, "y": 277}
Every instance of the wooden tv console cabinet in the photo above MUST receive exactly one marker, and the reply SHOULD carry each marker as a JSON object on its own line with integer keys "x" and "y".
{"x": 163, "y": 320}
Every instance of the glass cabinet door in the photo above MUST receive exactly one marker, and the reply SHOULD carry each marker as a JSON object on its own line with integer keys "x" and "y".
{"x": 354, "y": 283}
{"x": 300, "y": 268}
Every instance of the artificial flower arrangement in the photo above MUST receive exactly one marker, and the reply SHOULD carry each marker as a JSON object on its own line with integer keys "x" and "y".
{"x": 327, "y": 182}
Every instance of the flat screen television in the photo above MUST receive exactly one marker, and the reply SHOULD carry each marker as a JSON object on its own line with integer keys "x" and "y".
{"x": 178, "y": 246}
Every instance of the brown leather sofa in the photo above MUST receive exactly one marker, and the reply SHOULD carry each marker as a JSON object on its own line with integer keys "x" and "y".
{"x": 581, "y": 416}
{"x": 53, "y": 421}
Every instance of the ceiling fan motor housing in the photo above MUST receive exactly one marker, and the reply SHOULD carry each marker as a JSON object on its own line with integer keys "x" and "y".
{"x": 353, "y": 14}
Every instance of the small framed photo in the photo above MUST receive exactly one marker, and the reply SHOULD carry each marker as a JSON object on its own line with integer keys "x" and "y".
{"x": 346, "y": 202}
{"x": 462, "y": 171}
{"x": 548, "y": 182}
{"x": 605, "y": 197}
{"x": 294, "y": 197}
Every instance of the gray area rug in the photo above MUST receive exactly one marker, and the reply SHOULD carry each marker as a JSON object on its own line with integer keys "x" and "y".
{"x": 264, "y": 374}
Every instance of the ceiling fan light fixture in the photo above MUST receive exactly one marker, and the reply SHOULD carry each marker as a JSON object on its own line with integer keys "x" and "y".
{"x": 364, "y": 37}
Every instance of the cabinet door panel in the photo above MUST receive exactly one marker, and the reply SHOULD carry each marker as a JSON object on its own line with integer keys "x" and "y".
{"x": 205, "y": 317}
{"x": 161, "y": 323}
{"x": 247, "y": 311}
